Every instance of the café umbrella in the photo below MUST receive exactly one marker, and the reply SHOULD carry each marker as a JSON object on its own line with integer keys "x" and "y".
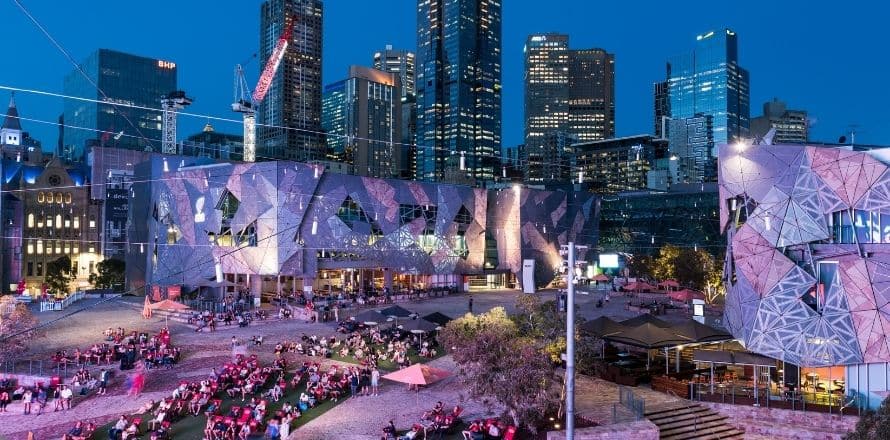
{"x": 369, "y": 317}
{"x": 419, "y": 326}
{"x": 418, "y": 374}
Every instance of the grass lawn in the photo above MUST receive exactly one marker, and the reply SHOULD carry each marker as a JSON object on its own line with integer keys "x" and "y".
{"x": 191, "y": 427}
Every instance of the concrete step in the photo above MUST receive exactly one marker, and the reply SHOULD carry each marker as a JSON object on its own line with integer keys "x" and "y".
{"x": 676, "y": 413}
{"x": 724, "y": 432}
{"x": 684, "y": 421}
{"x": 693, "y": 430}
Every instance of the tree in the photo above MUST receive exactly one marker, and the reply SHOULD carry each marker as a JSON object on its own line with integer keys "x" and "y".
{"x": 17, "y": 325}
{"x": 109, "y": 274}
{"x": 59, "y": 275}
{"x": 496, "y": 360}
{"x": 873, "y": 425}
{"x": 641, "y": 266}
{"x": 665, "y": 265}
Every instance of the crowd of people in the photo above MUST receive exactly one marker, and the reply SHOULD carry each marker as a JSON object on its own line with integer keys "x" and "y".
{"x": 209, "y": 320}
{"x": 124, "y": 347}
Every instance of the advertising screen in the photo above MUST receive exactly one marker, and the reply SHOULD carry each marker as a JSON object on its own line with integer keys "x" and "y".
{"x": 608, "y": 261}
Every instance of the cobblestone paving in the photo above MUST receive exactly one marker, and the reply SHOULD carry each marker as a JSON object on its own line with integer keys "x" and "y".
{"x": 357, "y": 418}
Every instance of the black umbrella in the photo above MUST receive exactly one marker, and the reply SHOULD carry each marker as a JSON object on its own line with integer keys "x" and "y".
{"x": 369, "y": 317}
{"x": 645, "y": 319}
{"x": 699, "y": 332}
{"x": 438, "y": 318}
{"x": 602, "y": 326}
{"x": 648, "y": 336}
{"x": 396, "y": 312}
{"x": 419, "y": 326}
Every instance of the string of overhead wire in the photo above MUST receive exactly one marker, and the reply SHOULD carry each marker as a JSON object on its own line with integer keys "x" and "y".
{"x": 347, "y": 138}
{"x": 77, "y": 66}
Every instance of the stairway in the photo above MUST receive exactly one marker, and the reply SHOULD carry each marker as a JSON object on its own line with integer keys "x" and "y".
{"x": 691, "y": 421}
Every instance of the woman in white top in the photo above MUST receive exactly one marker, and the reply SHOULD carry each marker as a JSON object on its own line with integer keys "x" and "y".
{"x": 27, "y": 398}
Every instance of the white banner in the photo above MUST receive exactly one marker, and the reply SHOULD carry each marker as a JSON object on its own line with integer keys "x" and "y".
{"x": 528, "y": 276}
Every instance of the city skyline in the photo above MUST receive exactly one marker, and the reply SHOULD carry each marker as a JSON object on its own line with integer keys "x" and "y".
{"x": 206, "y": 66}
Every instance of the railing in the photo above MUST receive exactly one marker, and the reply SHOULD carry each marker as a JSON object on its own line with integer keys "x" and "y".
{"x": 629, "y": 400}
{"x": 53, "y": 305}
{"x": 735, "y": 394}
{"x": 218, "y": 306}
{"x": 40, "y": 368}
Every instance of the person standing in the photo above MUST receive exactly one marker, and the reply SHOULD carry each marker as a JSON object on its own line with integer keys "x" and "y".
{"x": 353, "y": 384}
{"x": 27, "y": 398}
{"x": 375, "y": 381}
{"x": 4, "y": 400}
{"x": 470, "y": 304}
{"x": 103, "y": 382}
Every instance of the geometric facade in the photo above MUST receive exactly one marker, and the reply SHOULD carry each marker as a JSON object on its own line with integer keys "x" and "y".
{"x": 296, "y": 219}
{"x": 808, "y": 261}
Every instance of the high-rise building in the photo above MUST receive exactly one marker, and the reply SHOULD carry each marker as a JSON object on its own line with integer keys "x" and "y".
{"x": 546, "y": 87}
{"x": 791, "y": 125}
{"x": 289, "y": 118}
{"x": 662, "y": 108}
{"x": 617, "y": 164}
{"x": 458, "y": 88}
{"x": 691, "y": 144}
{"x": 134, "y": 83}
{"x": 552, "y": 161}
{"x": 401, "y": 62}
{"x": 709, "y": 81}
{"x": 363, "y": 121}
{"x": 592, "y": 94}
{"x": 567, "y": 92}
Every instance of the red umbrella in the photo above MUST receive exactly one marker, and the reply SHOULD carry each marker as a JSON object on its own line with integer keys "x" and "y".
{"x": 418, "y": 374}
{"x": 638, "y": 286}
{"x": 686, "y": 295}
{"x": 600, "y": 278}
{"x": 669, "y": 283}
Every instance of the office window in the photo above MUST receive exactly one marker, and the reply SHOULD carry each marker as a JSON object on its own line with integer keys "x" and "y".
{"x": 30, "y": 269}
{"x": 76, "y": 222}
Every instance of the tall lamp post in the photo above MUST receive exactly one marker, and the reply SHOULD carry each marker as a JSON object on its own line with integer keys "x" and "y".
{"x": 569, "y": 250}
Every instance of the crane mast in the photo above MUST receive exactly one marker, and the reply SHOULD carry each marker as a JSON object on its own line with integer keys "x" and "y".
{"x": 246, "y": 103}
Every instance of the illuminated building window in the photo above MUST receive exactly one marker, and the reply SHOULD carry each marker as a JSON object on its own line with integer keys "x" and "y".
{"x": 92, "y": 250}
{"x": 30, "y": 220}
{"x": 67, "y": 221}
{"x": 49, "y": 222}
{"x": 76, "y": 222}
{"x": 58, "y": 248}
{"x": 92, "y": 223}
{"x": 30, "y": 248}
{"x": 39, "y": 246}
{"x": 59, "y": 198}
{"x": 67, "y": 197}
{"x": 40, "y": 197}
{"x": 58, "y": 221}
{"x": 75, "y": 250}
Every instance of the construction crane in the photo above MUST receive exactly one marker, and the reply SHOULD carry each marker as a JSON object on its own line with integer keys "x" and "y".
{"x": 246, "y": 103}
{"x": 170, "y": 104}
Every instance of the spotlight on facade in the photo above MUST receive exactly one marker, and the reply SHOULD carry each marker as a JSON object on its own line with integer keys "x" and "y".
{"x": 740, "y": 146}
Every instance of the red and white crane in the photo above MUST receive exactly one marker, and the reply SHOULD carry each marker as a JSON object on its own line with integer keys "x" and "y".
{"x": 246, "y": 103}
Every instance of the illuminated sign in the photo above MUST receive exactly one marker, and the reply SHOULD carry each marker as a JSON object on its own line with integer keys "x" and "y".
{"x": 608, "y": 261}
{"x": 166, "y": 64}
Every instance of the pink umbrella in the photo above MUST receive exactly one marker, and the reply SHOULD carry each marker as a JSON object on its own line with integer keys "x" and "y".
{"x": 669, "y": 284}
{"x": 418, "y": 374}
{"x": 600, "y": 278}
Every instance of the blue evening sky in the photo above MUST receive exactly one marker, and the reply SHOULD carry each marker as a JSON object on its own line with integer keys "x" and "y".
{"x": 828, "y": 60}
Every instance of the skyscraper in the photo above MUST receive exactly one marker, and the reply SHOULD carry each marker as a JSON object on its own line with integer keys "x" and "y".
{"x": 289, "y": 119}
{"x": 592, "y": 94}
{"x": 709, "y": 81}
{"x": 362, "y": 117}
{"x": 568, "y": 94}
{"x": 791, "y": 125}
{"x": 401, "y": 62}
{"x": 691, "y": 143}
{"x": 662, "y": 108}
{"x": 126, "y": 79}
{"x": 458, "y": 88}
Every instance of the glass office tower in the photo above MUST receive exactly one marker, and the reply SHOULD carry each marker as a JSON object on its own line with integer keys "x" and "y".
{"x": 126, "y": 80}
{"x": 458, "y": 87}
{"x": 289, "y": 118}
{"x": 709, "y": 81}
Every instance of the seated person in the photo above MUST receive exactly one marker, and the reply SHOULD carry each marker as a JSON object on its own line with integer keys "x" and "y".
{"x": 474, "y": 431}
{"x": 414, "y": 433}
{"x": 389, "y": 431}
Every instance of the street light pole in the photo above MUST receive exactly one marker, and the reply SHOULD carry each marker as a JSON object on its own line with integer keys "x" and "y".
{"x": 570, "y": 345}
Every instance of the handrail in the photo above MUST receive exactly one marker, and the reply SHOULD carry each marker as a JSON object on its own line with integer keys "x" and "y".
{"x": 690, "y": 404}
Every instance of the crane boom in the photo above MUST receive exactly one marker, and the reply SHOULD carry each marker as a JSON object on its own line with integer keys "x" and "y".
{"x": 262, "y": 87}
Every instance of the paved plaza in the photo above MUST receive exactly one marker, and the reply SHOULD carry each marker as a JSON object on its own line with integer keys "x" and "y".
{"x": 357, "y": 418}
